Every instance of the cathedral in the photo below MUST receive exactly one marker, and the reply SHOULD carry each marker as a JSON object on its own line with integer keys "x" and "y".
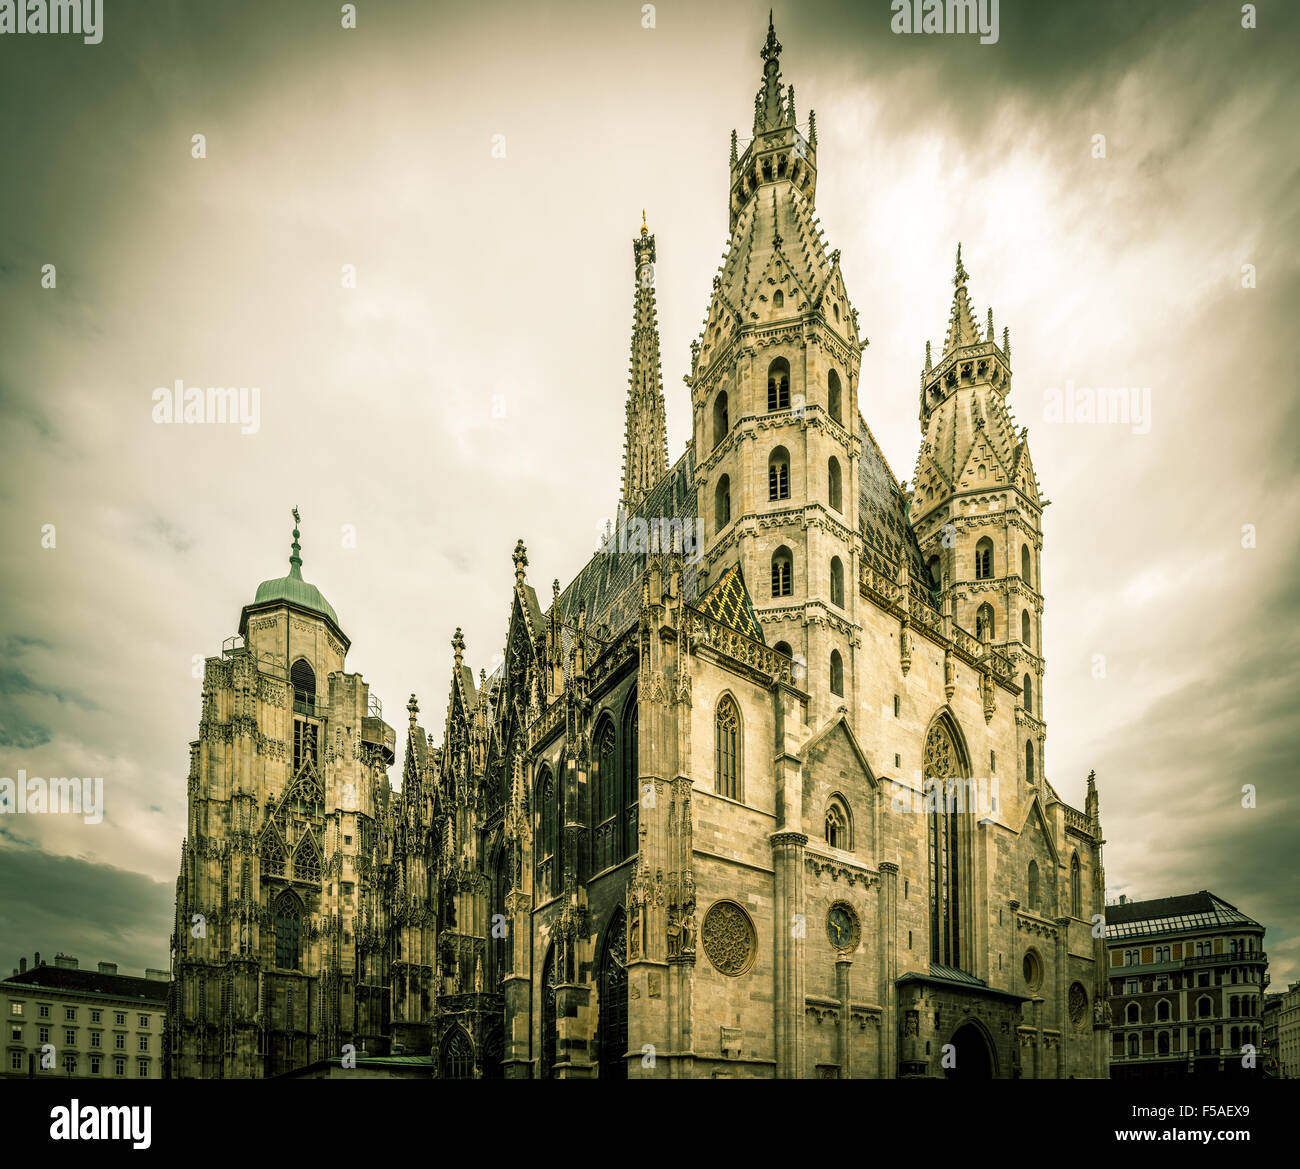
{"x": 763, "y": 792}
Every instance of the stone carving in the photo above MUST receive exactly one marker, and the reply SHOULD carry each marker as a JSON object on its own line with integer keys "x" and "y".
{"x": 730, "y": 940}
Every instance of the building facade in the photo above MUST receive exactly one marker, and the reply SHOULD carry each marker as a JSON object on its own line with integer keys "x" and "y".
{"x": 1288, "y": 1033}
{"x": 761, "y": 793}
{"x": 83, "y": 1024}
{"x": 1187, "y": 979}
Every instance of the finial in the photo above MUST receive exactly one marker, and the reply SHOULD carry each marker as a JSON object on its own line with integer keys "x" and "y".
{"x": 928, "y": 367}
{"x": 413, "y": 708}
{"x": 734, "y": 155}
{"x": 960, "y": 278}
{"x": 644, "y": 230}
{"x": 812, "y": 127}
{"x": 990, "y": 336}
{"x": 295, "y": 561}
{"x": 458, "y": 645}
{"x": 1006, "y": 343}
{"x": 555, "y": 589}
{"x": 521, "y": 562}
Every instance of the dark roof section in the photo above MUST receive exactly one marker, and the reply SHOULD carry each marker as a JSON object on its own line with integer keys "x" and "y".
{"x": 607, "y": 582}
{"x": 1188, "y": 911}
{"x": 951, "y": 976}
{"x": 727, "y": 601}
{"x": 882, "y": 518}
{"x": 120, "y": 986}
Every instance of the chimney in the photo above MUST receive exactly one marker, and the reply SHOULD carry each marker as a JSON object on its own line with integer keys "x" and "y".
{"x": 108, "y": 968}
{"x": 22, "y": 965}
{"x": 37, "y": 960}
{"x": 64, "y": 961}
{"x": 1123, "y": 898}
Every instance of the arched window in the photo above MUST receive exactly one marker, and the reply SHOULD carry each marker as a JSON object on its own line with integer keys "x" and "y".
{"x": 631, "y": 778}
{"x": 1029, "y": 694}
{"x": 778, "y": 385}
{"x": 456, "y": 1056}
{"x": 1033, "y": 887}
{"x": 783, "y": 647}
{"x": 306, "y": 861}
{"x": 834, "y": 405}
{"x": 1024, "y": 564}
{"x": 605, "y": 781}
{"x": 722, "y": 503}
{"x": 1029, "y": 761}
{"x": 272, "y": 853}
{"x": 612, "y": 988}
{"x": 1206, "y": 1042}
{"x": 1234, "y": 1006}
{"x": 547, "y": 1069}
{"x": 778, "y": 299}
{"x": 1234, "y": 1038}
{"x": 837, "y": 825}
{"x": 1132, "y": 1013}
{"x": 1204, "y": 1007}
{"x": 303, "y": 679}
{"x": 778, "y": 474}
{"x": 1024, "y": 626}
{"x": 834, "y": 485}
{"x": 984, "y": 559}
{"x": 1162, "y": 1011}
{"x": 936, "y": 571}
{"x": 1134, "y": 1048}
{"x": 726, "y": 781}
{"x": 984, "y": 621}
{"x": 547, "y": 831}
{"x": 949, "y": 847}
{"x": 837, "y": 582}
{"x": 837, "y": 673}
{"x": 1076, "y": 886}
{"x": 782, "y": 572}
{"x": 288, "y": 931}
{"x": 721, "y": 423}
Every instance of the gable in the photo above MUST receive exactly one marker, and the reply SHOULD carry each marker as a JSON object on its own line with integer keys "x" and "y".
{"x": 728, "y": 603}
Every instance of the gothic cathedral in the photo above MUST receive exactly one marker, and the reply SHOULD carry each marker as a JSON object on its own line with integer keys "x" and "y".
{"x": 762, "y": 793}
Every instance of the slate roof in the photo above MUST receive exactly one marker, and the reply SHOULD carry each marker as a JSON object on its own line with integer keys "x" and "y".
{"x": 882, "y": 517}
{"x": 1164, "y": 915}
{"x": 727, "y": 601}
{"x": 120, "y": 986}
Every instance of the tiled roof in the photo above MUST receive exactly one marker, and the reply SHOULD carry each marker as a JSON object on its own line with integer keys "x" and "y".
{"x": 728, "y": 601}
{"x": 882, "y": 517}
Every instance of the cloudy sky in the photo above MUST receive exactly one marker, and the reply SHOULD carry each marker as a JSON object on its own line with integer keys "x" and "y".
{"x": 469, "y": 390}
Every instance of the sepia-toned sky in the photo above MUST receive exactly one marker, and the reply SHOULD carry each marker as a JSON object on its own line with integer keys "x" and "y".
{"x": 469, "y": 391}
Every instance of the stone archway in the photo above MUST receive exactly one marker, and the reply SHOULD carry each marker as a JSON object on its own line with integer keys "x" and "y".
{"x": 974, "y": 1058}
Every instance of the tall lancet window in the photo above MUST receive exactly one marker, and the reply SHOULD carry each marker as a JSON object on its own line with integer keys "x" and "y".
{"x": 727, "y": 751}
{"x": 946, "y": 810}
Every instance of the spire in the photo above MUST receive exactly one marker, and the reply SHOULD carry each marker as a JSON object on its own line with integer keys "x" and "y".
{"x": 458, "y": 647}
{"x": 413, "y": 709}
{"x": 961, "y": 323}
{"x": 520, "y": 557}
{"x": 645, "y": 453}
{"x": 295, "y": 560}
{"x": 769, "y": 112}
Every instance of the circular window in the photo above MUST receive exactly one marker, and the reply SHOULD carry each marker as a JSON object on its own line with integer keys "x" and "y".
{"x": 1078, "y": 1005}
{"x": 1033, "y": 970}
{"x": 729, "y": 938}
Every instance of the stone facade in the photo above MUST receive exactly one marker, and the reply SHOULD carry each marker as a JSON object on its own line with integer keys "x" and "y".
{"x": 749, "y": 798}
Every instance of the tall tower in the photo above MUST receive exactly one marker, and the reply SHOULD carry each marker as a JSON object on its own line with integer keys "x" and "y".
{"x": 774, "y": 382}
{"x": 976, "y": 507}
{"x": 645, "y": 452}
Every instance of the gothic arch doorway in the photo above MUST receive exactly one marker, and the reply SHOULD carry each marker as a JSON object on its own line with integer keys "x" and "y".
{"x": 613, "y": 1000}
{"x": 974, "y": 1056}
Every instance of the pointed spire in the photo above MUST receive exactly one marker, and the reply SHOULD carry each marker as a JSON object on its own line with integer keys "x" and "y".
{"x": 928, "y": 365}
{"x": 645, "y": 451}
{"x": 961, "y": 322}
{"x": 734, "y": 155}
{"x": 295, "y": 560}
{"x": 520, "y": 558}
{"x": 1006, "y": 343}
{"x": 768, "y": 111}
{"x": 990, "y": 332}
{"x": 812, "y": 127}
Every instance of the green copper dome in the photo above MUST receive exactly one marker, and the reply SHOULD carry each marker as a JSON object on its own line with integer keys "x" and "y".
{"x": 292, "y": 588}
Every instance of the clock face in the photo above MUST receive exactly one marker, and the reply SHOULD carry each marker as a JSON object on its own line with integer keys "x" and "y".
{"x": 842, "y": 927}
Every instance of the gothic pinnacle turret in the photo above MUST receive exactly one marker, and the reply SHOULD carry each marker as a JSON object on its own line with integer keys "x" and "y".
{"x": 645, "y": 453}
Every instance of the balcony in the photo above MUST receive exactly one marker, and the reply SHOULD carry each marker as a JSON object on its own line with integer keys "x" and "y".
{"x": 305, "y": 703}
{"x": 1250, "y": 957}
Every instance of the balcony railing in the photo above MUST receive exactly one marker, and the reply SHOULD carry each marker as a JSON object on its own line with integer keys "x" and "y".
{"x": 1252, "y": 956}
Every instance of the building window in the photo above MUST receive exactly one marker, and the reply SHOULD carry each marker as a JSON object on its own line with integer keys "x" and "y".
{"x": 722, "y": 503}
{"x": 778, "y": 299}
{"x": 94, "y": 1065}
{"x": 70, "y": 1064}
{"x": 120, "y": 1018}
{"x": 94, "y": 1016}
{"x": 288, "y": 925}
{"x": 303, "y": 679}
{"x": 778, "y": 385}
{"x": 837, "y": 582}
{"x": 95, "y": 1037}
{"x": 631, "y": 777}
{"x": 834, "y": 405}
{"x": 1033, "y": 887}
{"x": 69, "y": 1038}
{"x": 144, "y": 1019}
{"x": 1132, "y": 1013}
{"x": 837, "y": 673}
{"x": 69, "y": 1014}
{"x": 15, "y": 1061}
{"x": 837, "y": 826}
{"x": 272, "y": 853}
{"x": 456, "y": 1059}
{"x": 15, "y": 1008}
{"x": 1204, "y": 1007}
{"x": 1029, "y": 761}
{"x": 1162, "y": 1043}
{"x": 984, "y": 559}
{"x": 778, "y": 474}
{"x": 119, "y": 1067}
{"x": 1032, "y": 969}
{"x": 44, "y": 1010}
{"x": 834, "y": 485}
{"x": 1134, "y": 1048}
{"x": 606, "y": 782}
{"x": 721, "y": 422}
{"x": 1162, "y": 1011}
{"x": 1028, "y": 695}
{"x": 142, "y": 1068}
{"x": 727, "y": 749}
{"x": 144, "y": 1042}
{"x": 1024, "y": 563}
{"x": 948, "y": 846}
{"x": 1024, "y": 626}
{"x": 1076, "y": 886}
{"x": 1131, "y": 986}
{"x": 782, "y": 572}
{"x": 42, "y": 1034}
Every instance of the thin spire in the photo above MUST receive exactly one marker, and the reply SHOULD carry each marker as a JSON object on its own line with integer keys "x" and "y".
{"x": 295, "y": 560}
{"x": 645, "y": 451}
{"x": 961, "y": 322}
